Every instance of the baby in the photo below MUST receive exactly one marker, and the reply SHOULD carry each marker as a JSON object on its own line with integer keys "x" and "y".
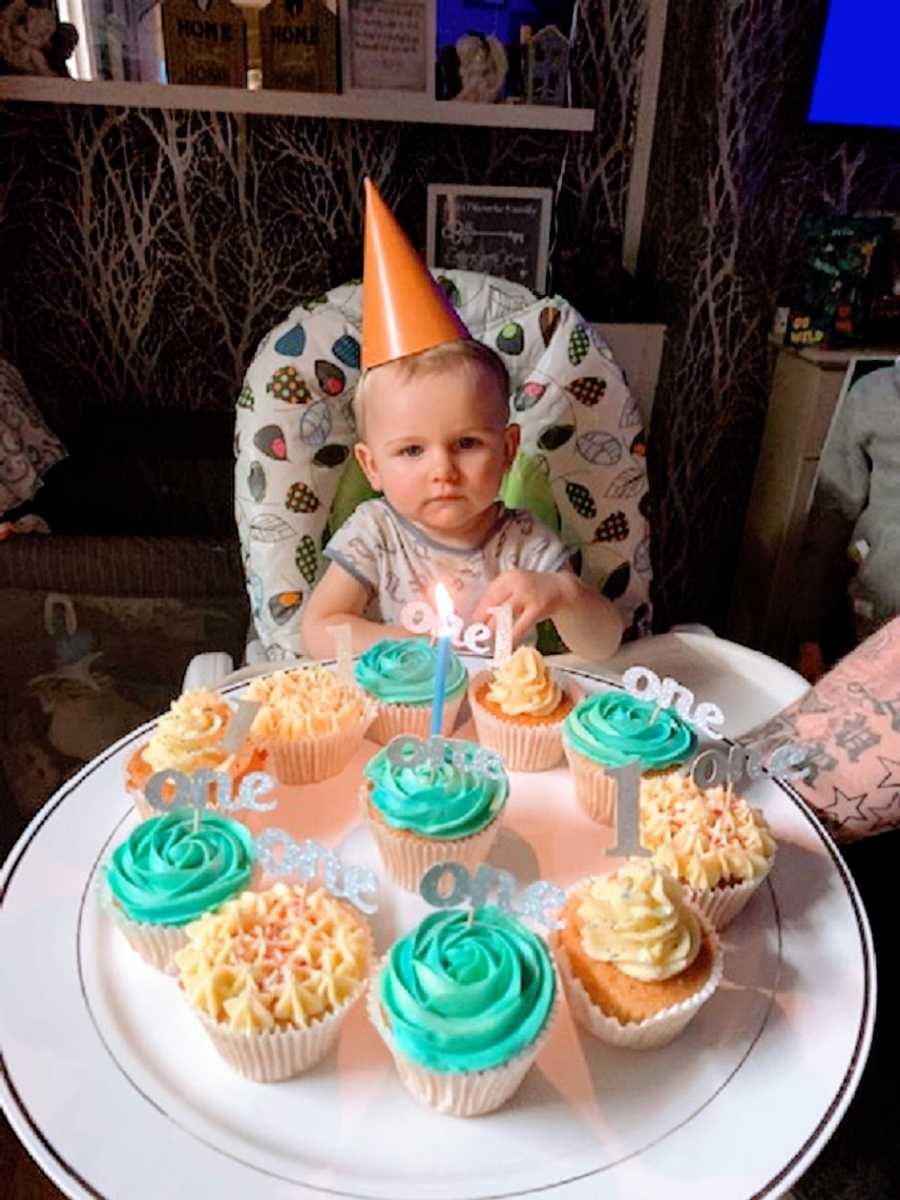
{"x": 435, "y": 440}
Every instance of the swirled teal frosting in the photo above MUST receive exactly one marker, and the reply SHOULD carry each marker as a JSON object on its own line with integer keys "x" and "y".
{"x": 402, "y": 670}
{"x": 436, "y": 800}
{"x": 166, "y": 874}
{"x": 614, "y": 728}
{"x": 464, "y": 997}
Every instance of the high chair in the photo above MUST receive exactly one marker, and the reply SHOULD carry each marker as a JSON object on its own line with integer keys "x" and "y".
{"x": 581, "y": 466}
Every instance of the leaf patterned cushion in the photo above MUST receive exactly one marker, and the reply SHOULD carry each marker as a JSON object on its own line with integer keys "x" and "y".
{"x": 580, "y": 426}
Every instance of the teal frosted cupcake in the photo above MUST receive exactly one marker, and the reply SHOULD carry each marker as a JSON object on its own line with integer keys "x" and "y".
{"x": 608, "y": 730}
{"x": 433, "y": 812}
{"x": 167, "y": 874}
{"x": 399, "y": 673}
{"x": 464, "y": 1004}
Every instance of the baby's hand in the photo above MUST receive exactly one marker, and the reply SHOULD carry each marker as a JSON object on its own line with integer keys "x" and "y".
{"x": 533, "y": 596}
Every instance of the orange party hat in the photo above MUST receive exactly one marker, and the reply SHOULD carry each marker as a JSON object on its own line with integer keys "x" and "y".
{"x": 403, "y": 311}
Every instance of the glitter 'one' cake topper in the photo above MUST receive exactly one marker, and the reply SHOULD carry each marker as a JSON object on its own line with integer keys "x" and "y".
{"x": 419, "y": 617}
{"x": 535, "y": 900}
{"x": 709, "y": 768}
{"x": 279, "y": 854}
{"x": 193, "y": 790}
{"x": 406, "y": 750}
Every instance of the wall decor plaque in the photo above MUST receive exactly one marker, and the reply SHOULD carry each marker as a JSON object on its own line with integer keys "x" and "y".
{"x": 206, "y": 43}
{"x": 298, "y": 40}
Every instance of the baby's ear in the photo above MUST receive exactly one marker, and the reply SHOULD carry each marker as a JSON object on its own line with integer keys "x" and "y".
{"x": 512, "y": 435}
{"x": 366, "y": 460}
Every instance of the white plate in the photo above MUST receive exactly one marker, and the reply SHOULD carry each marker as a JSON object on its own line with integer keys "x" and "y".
{"x": 115, "y": 1090}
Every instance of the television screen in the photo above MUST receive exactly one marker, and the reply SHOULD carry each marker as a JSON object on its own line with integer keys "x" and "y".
{"x": 857, "y": 78}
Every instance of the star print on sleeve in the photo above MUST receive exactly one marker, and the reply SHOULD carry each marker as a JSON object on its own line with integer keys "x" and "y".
{"x": 849, "y": 818}
{"x": 892, "y": 769}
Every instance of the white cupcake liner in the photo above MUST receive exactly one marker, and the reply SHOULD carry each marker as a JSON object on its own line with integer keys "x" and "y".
{"x": 312, "y": 759}
{"x": 459, "y": 1093}
{"x": 279, "y": 1054}
{"x": 407, "y": 857}
{"x": 523, "y": 747}
{"x": 658, "y": 1030}
{"x": 595, "y": 791}
{"x": 141, "y": 807}
{"x": 415, "y": 719}
{"x": 720, "y": 905}
{"x": 156, "y": 944}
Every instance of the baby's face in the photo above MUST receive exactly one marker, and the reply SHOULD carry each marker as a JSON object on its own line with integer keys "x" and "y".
{"x": 437, "y": 446}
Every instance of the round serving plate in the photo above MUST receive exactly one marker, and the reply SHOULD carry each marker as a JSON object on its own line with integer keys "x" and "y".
{"x": 114, "y": 1088}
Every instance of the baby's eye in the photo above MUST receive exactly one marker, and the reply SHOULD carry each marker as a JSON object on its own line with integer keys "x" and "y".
{"x": 411, "y": 451}
{"x": 469, "y": 443}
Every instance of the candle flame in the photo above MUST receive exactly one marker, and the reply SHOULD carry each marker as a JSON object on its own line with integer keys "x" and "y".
{"x": 444, "y": 606}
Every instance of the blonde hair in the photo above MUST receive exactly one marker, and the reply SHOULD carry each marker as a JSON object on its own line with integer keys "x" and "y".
{"x": 464, "y": 351}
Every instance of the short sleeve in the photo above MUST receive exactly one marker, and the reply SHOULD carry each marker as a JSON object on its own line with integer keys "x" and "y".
{"x": 355, "y": 547}
{"x": 532, "y": 545}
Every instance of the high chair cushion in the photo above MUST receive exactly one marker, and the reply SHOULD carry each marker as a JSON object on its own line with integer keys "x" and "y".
{"x": 581, "y": 435}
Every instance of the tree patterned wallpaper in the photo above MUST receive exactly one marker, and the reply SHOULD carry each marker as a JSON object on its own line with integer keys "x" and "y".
{"x": 145, "y": 253}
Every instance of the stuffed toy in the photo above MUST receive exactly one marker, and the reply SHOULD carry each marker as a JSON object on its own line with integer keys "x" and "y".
{"x": 32, "y": 42}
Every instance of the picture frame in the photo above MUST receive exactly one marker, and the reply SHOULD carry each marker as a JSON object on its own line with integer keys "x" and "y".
{"x": 387, "y": 47}
{"x": 503, "y": 231}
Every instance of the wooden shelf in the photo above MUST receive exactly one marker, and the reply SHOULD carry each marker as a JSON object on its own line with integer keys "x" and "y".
{"x": 371, "y": 106}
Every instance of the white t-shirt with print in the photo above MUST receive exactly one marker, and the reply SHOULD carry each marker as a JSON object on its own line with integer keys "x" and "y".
{"x": 399, "y": 563}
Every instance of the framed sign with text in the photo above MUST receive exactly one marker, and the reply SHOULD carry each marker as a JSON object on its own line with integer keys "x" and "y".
{"x": 387, "y": 46}
{"x": 503, "y": 231}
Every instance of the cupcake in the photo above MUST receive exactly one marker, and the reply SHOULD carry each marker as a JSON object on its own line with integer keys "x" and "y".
{"x": 713, "y": 842}
{"x": 432, "y": 812}
{"x": 519, "y": 710}
{"x": 311, "y": 722}
{"x": 610, "y": 729}
{"x": 272, "y": 976}
{"x": 464, "y": 1004}
{"x": 189, "y": 738}
{"x": 167, "y": 873}
{"x": 636, "y": 960}
{"x": 399, "y": 674}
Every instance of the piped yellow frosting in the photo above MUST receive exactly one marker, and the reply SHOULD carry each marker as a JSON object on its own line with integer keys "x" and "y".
{"x": 703, "y": 837}
{"x": 279, "y": 959}
{"x": 306, "y": 701}
{"x": 636, "y": 919}
{"x": 189, "y": 735}
{"x": 523, "y": 685}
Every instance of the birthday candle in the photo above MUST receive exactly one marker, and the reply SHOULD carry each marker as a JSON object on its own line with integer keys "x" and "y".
{"x": 444, "y": 607}
{"x": 502, "y": 615}
{"x": 342, "y": 636}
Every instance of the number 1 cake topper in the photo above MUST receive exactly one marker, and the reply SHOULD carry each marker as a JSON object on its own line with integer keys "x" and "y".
{"x": 536, "y": 900}
{"x": 709, "y": 768}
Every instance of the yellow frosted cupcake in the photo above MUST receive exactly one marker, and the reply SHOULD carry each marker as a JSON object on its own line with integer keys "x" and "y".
{"x": 272, "y": 976}
{"x": 189, "y": 738}
{"x": 311, "y": 722}
{"x": 719, "y": 847}
{"x": 519, "y": 709}
{"x": 636, "y": 960}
